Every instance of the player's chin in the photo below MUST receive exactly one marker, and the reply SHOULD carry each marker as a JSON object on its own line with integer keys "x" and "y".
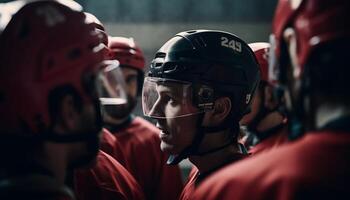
{"x": 168, "y": 148}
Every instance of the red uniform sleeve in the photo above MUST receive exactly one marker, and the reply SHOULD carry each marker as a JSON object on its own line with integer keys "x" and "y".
{"x": 110, "y": 145}
{"x": 107, "y": 180}
{"x": 140, "y": 144}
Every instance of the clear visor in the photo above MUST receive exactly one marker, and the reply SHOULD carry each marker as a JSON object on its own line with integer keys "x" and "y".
{"x": 166, "y": 98}
{"x": 110, "y": 84}
{"x": 273, "y": 70}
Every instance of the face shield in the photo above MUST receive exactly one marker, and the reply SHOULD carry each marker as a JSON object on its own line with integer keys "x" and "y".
{"x": 273, "y": 69}
{"x": 110, "y": 84}
{"x": 167, "y": 98}
{"x": 277, "y": 68}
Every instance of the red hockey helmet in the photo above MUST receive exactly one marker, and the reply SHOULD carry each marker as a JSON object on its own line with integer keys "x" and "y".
{"x": 46, "y": 44}
{"x": 315, "y": 22}
{"x": 127, "y": 52}
{"x": 261, "y": 50}
{"x": 92, "y": 19}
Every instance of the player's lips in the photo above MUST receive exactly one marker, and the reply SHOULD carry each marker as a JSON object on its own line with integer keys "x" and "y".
{"x": 163, "y": 135}
{"x": 160, "y": 127}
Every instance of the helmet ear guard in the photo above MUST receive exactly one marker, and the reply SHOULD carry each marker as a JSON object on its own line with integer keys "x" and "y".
{"x": 203, "y": 97}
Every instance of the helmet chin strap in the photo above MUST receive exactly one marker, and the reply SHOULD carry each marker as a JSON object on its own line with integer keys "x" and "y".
{"x": 70, "y": 138}
{"x": 262, "y": 113}
{"x": 198, "y": 138}
{"x": 296, "y": 123}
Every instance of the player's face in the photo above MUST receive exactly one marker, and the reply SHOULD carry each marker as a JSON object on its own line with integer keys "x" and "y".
{"x": 84, "y": 153}
{"x": 130, "y": 77}
{"x": 124, "y": 110}
{"x": 177, "y": 128}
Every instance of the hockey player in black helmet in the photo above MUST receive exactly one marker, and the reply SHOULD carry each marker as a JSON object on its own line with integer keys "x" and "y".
{"x": 198, "y": 87}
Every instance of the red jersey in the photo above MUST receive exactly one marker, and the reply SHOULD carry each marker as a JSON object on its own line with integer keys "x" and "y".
{"x": 190, "y": 185}
{"x": 273, "y": 141}
{"x": 195, "y": 178}
{"x": 34, "y": 186}
{"x": 316, "y": 166}
{"x": 139, "y": 144}
{"x": 106, "y": 180}
{"x": 110, "y": 145}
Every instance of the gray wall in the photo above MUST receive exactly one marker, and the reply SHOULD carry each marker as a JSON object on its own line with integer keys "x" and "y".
{"x": 190, "y": 11}
{"x": 152, "y": 36}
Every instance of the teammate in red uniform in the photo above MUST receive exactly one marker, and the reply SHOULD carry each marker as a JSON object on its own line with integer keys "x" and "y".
{"x": 108, "y": 179}
{"x": 266, "y": 125}
{"x": 310, "y": 47}
{"x": 199, "y": 85}
{"x": 137, "y": 141}
{"x": 49, "y": 109}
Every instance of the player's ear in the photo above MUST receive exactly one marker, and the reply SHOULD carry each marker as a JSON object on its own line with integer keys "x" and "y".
{"x": 221, "y": 110}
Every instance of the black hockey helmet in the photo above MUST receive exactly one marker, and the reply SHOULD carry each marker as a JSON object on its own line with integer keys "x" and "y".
{"x": 213, "y": 62}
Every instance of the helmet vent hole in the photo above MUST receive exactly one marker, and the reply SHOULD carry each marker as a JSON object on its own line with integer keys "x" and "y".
{"x": 24, "y": 31}
{"x": 170, "y": 67}
{"x": 50, "y": 63}
{"x": 38, "y": 120}
{"x": 2, "y": 97}
{"x": 91, "y": 46}
{"x": 159, "y": 64}
{"x": 160, "y": 55}
{"x": 74, "y": 54}
{"x": 191, "y": 31}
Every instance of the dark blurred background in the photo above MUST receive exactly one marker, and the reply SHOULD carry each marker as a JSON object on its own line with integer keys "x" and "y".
{"x": 153, "y": 22}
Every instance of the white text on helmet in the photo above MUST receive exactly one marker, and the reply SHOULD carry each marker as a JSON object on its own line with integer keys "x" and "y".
{"x": 237, "y": 46}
